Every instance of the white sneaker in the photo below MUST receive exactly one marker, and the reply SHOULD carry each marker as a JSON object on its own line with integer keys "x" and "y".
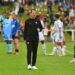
{"x": 34, "y": 67}
{"x": 45, "y": 54}
{"x": 72, "y": 61}
{"x": 29, "y": 67}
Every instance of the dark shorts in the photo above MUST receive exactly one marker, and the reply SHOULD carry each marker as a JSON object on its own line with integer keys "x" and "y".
{"x": 14, "y": 37}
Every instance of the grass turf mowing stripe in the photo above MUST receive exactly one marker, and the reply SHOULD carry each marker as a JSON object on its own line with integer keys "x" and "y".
{"x": 69, "y": 52}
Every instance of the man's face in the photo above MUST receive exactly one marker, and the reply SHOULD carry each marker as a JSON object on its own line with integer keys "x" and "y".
{"x": 7, "y": 15}
{"x": 13, "y": 16}
{"x": 33, "y": 14}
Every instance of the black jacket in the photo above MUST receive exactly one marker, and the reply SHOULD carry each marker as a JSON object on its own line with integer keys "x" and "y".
{"x": 30, "y": 29}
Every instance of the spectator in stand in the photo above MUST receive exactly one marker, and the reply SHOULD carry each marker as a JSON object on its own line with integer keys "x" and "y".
{"x": 49, "y": 6}
{"x": 66, "y": 21}
{"x": 69, "y": 27}
{"x": 5, "y": 2}
{"x": 25, "y": 2}
{"x": 52, "y": 17}
{"x": 68, "y": 7}
{"x": 32, "y": 2}
{"x": 21, "y": 11}
{"x": 56, "y": 2}
{"x": 66, "y": 13}
{"x": 60, "y": 8}
{"x": 46, "y": 19}
{"x": 0, "y": 2}
{"x": 12, "y": 3}
{"x": 72, "y": 26}
{"x": 71, "y": 13}
{"x": 28, "y": 12}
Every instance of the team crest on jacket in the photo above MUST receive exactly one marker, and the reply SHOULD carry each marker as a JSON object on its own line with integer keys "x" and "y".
{"x": 36, "y": 23}
{"x": 13, "y": 26}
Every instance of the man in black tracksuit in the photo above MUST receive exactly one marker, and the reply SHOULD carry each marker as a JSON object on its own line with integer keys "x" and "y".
{"x": 31, "y": 29}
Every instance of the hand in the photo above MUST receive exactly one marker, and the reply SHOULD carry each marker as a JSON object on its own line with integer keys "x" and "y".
{"x": 27, "y": 42}
{"x": 11, "y": 36}
{"x": 16, "y": 35}
{"x": 52, "y": 34}
{"x": 38, "y": 29}
{"x": 60, "y": 36}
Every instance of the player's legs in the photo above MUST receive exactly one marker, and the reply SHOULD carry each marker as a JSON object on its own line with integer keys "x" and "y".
{"x": 41, "y": 39}
{"x": 55, "y": 44}
{"x": 60, "y": 43}
{"x": 59, "y": 50}
{"x": 43, "y": 46}
{"x": 29, "y": 49}
{"x": 54, "y": 49}
{"x": 73, "y": 61}
{"x": 34, "y": 49}
{"x": 64, "y": 42}
{"x": 16, "y": 44}
{"x": 62, "y": 48}
{"x": 9, "y": 46}
{"x": 7, "y": 38}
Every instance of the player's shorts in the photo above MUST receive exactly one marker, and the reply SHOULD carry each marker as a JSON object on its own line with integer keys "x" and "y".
{"x": 57, "y": 39}
{"x": 54, "y": 36}
{"x": 13, "y": 37}
{"x": 7, "y": 37}
{"x": 41, "y": 37}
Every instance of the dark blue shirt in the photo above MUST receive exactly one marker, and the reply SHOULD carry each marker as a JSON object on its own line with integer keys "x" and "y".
{"x": 15, "y": 26}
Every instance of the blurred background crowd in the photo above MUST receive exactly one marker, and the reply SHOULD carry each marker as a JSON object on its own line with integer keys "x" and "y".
{"x": 47, "y": 9}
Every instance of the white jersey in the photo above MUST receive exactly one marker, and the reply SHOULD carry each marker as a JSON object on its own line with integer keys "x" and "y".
{"x": 46, "y": 32}
{"x": 57, "y": 25}
{"x": 42, "y": 23}
{"x": 41, "y": 37}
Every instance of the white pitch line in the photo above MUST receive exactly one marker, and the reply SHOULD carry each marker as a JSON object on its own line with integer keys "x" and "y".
{"x": 69, "y": 52}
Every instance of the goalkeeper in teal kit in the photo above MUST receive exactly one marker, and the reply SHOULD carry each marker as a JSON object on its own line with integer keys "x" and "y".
{"x": 7, "y": 30}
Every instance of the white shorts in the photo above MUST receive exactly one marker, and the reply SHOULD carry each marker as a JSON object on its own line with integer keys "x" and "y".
{"x": 41, "y": 37}
{"x": 54, "y": 36}
{"x": 57, "y": 39}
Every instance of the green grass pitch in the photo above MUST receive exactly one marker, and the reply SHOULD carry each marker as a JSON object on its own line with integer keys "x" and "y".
{"x": 47, "y": 65}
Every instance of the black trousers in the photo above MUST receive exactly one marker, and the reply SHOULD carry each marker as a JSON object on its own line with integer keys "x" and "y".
{"x": 32, "y": 49}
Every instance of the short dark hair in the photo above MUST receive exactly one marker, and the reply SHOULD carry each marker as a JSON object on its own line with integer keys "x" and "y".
{"x": 57, "y": 16}
{"x": 32, "y": 10}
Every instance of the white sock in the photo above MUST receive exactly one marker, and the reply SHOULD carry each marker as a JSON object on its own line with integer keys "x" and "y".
{"x": 54, "y": 49}
{"x": 63, "y": 51}
{"x": 74, "y": 59}
{"x": 64, "y": 48}
{"x": 58, "y": 50}
{"x": 44, "y": 48}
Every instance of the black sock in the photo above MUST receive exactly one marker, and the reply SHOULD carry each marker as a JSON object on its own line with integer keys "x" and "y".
{"x": 16, "y": 50}
{"x": 74, "y": 51}
{"x": 74, "y": 55}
